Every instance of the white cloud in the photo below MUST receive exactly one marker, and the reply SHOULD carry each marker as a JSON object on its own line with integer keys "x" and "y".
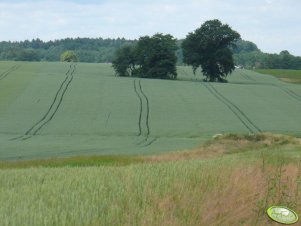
{"x": 272, "y": 25}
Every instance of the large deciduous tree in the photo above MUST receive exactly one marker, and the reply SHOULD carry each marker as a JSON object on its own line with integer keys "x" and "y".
{"x": 209, "y": 47}
{"x": 157, "y": 57}
{"x": 151, "y": 57}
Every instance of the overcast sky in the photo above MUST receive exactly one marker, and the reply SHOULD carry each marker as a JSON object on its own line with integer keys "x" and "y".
{"x": 274, "y": 25}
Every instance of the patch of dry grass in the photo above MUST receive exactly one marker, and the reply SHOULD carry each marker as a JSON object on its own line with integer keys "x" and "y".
{"x": 291, "y": 80}
{"x": 247, "y": 194}
{"x": 239, "y": 197}
{"x": 229, "y": 144}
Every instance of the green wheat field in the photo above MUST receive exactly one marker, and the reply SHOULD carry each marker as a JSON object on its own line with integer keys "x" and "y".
{"x": 60, "y": 109}
{"x": 80, "y": 146}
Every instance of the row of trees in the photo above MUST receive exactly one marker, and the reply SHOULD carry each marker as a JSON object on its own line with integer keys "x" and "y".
{"x": 154, "y": 57}
{"x": 87, "y": 49}
{"x": 258, "y": 59}
{"x": 93, "y": 50}
{"x": 99, "y": 50}
{"x": 151, "y": 57}
{"x": 249, "y": 56}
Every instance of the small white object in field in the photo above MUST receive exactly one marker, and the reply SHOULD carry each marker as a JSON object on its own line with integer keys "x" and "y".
{"x": 217, "y": 135}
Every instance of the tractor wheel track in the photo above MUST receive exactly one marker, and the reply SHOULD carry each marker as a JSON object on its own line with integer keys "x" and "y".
{"x": 289, "y": 92}
{"x": 140, "y": 109}
{"x": 284, "y": 89}
{"x": 57, "y": 107}
{"x": 150, "y": 142}
{"x": 147, "y": 110}
{"x": 52, "y": 104}
{"x": 238, "y": 109}
{"x": 232, "y": 107}
{"x": 229, "y": 107}
{"x": 56, "y": 101}
{"x": 7, "y": 72}
{"x": 144, "y": 130}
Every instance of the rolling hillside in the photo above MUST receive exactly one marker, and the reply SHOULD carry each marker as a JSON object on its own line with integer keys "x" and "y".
{"x": 60, "y": 109}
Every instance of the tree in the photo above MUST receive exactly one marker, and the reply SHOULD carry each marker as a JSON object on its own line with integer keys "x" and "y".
{"x": 151, "y": 57}
{"x": 156, "y": 56}
{"x": 209, "y": 47}
{"x": 124, "y": 62}
{"x": 69, "y": 56}
{"x": 287, "y": 60}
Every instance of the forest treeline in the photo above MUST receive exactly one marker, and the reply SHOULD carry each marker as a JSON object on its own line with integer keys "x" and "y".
{"x": 247, "y": 55}
{"x": 99, "y": 50}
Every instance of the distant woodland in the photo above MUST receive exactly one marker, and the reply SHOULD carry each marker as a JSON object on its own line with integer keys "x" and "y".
{"x": 99, "y": 50}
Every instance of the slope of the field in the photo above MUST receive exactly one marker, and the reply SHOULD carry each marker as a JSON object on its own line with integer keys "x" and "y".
{"x": 61, "y": 109}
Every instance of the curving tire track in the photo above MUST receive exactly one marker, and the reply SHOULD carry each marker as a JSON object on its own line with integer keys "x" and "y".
{"x": 52, "y": 104}
{"x": 7, "y": 72}
{"x": 150, "y": 142}
{"x": 140, "y": 108}
{"x": 57, "y": 107}
{"x": 56, "y": 103}
{"x": 144, "y": 113}
{"x": 147, "y": 110}
{"x": 242, "y": 117}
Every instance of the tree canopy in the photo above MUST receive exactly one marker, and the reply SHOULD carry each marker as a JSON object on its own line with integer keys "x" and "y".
{"x": 209, "y": 47}
{"x": 151, "y": 57}
{"x": 69, "y": 56}
{"x": 124, "y": 63}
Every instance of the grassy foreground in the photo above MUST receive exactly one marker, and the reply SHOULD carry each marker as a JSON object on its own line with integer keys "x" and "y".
{"x": 230, "y": 180}
{"x": 291, "y": 76}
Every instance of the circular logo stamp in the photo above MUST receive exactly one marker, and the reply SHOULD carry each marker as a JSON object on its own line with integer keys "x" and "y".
{"x": 282, "y": 214}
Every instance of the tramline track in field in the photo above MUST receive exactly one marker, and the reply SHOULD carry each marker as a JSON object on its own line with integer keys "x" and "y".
{"x": 140, "y": 109}
{"x": 7, "y": 72}
{"x": 284, "y": 89}
{"x": 289, "y": 92}
{"x": 57, "y": 101}
{"x": 144, "y": 112}
{"x": 242, "y": 117}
